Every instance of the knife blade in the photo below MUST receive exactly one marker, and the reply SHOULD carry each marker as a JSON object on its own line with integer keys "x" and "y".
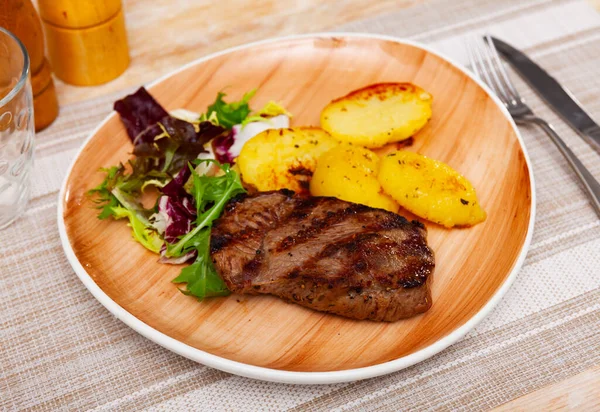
{"x": 548, "y": 88}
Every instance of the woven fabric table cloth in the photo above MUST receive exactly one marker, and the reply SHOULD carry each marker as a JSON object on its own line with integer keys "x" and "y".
{"x": 60, "y": 349}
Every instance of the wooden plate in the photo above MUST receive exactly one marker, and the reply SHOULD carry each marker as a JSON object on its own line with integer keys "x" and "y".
{"x": 264, "y": 337}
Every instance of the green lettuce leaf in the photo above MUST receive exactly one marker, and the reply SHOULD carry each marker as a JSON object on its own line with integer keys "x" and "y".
{"x": 201, "y": 277}
{"x": 229, "y": 114}
{"x": 211, "y": 194}
{"x": 114, "y": 200}
{"x": 141, "y": 232}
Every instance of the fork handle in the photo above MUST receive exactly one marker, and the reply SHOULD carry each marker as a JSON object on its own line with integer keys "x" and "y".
{"x": 589, "y": 182}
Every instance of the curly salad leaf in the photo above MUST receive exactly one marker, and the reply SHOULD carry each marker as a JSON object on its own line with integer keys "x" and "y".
{"x": 229, "y": 114}
{"x": 162, "y": 144}
{"x": 114, "y": 201}
{"x": 166, "y": 151}
{"x": 210, "y": 194}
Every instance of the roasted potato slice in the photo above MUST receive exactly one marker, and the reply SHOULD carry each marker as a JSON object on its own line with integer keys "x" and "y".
{"x": 430, "y": 189}
{"x": 350, "y": 173}
{"x": 283, "y": 158}
{"x": 378, "y": 114}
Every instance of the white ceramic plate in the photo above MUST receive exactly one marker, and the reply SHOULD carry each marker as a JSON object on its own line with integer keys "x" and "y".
{"x": 239, "y": 358}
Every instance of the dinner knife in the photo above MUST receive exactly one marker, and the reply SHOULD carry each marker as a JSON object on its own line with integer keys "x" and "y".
{"x": 549, "y": 89}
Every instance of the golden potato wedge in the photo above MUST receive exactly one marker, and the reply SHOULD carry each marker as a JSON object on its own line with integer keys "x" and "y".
{"x": 350, "y": 173}
{"x": 283, "y": 158}
{"x": 430, "y": 189}
{"x": 378, "y": 114}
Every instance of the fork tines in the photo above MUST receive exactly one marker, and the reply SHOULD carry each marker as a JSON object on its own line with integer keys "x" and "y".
{"x": 486, "y": 64}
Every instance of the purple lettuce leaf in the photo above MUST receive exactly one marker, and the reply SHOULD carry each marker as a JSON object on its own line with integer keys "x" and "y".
{"x": 179, "y": 133}
{"x": 139, "y": 111}
{"x": 177, "y": 215}
{"x": 145, "y": 120}
{"x": 194, "y": 143}
{"x": 176, "y": 209}
{"x": 172, "y": 143}
{"x": 162, "y": 143}
{"x": 175, "y": 186}
{"x": 221, "y": 146}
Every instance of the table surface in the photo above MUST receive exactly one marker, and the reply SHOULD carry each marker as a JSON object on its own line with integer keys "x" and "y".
{"x": 215, "y": 27}
{"x": 204, "y": 27}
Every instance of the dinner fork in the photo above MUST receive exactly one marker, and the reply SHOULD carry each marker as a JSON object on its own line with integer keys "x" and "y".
{"x": 486, "y": 64}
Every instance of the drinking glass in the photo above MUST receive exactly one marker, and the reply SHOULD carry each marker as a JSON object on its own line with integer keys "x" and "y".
{"x": 16, "y": 128}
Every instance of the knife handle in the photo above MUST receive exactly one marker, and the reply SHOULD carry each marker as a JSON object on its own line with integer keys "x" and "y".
{"x": 589, "y": 182}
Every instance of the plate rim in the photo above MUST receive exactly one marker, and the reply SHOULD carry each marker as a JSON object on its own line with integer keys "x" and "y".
{"x": 286, "y": 376}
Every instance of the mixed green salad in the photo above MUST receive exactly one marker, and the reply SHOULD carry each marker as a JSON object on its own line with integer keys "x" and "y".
{"x": 187, "y": 158}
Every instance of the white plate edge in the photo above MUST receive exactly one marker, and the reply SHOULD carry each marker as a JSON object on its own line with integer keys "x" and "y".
{"x": 275, "y": 375}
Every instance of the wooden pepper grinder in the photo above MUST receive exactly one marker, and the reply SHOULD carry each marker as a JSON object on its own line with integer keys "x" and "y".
{"x": 19, "y": 17}
{"x": 87, "y": 42}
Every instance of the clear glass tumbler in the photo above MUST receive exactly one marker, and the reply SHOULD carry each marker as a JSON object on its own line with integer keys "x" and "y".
{"x": 16, "y": 128}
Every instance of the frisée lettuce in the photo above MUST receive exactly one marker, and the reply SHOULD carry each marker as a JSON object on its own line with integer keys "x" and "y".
{"x": 170, "y": 152}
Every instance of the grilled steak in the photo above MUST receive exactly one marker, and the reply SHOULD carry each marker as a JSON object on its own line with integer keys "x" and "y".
{"x": 325, "y": 254}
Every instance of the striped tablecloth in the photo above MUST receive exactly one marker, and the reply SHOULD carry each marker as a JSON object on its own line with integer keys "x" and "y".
{"x": 60, "y": 349}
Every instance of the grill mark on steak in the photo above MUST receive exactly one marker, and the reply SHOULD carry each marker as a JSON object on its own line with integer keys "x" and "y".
{"x": 220, "y": 241}
{"x": 242, "y": 233}
{"x": 316, "y": 224}
{"x": 325, "y": 254}
{"x": 351, "y": 244}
